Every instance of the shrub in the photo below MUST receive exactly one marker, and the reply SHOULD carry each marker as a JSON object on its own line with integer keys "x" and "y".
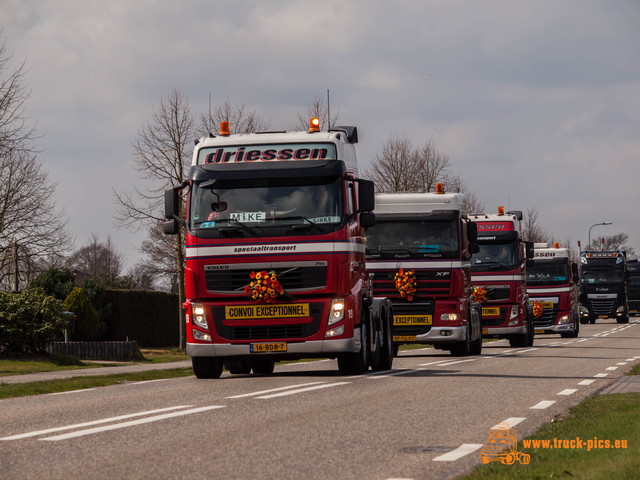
{"x": 87, "y": 323}
{"x": 57, "y": 282}
{"x": 29, "y": 321}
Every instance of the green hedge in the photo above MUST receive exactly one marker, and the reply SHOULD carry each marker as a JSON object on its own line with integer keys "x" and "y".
{"x": 150, "y": 318}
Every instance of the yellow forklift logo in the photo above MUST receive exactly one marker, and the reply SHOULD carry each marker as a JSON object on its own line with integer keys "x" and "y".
{"x": 502, "y": 446}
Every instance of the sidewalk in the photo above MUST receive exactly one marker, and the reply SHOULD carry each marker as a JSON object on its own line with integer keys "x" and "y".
{"x": 90, "y": 372}
{"x": 626, "y": 384}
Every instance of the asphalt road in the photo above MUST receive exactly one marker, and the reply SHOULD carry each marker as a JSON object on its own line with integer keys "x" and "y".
{"x": 426, "y": 418}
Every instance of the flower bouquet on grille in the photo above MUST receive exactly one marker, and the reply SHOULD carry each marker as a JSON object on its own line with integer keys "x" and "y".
{"x": 482, "y": 294}
{"x": 265, "y": 287}
{"x": 537, "y": 309}
{"x": 406, "y": 283}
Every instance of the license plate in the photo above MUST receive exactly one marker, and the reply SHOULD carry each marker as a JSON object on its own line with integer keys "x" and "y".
{"x": 404, "y": 338}
{"x": 602, "y": 316}
{"x": 538, "y": 331}
{"x": 633, "y": 311}
{"x": 412, "y": 319}
{"x": 490, "y": 311}
{"x": 267, "y": 347}
{"x": 485, "y": 330}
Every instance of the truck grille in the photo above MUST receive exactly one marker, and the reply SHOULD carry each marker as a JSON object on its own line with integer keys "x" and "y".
{"x": 296, "y": 278}
{"x": 547, "y": 319}
{"x": 603, "y": 307}
{"x": 430, "y": 284}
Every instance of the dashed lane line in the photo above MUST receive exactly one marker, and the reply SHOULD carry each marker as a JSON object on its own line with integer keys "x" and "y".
{"x": 462, "y": 451}
{"x": 568, "y": 391}
{"x": 252, "y": 394}
{"x": 586, "y": 382}
{"x": 300, "y": 390}
{"x": 509, "y": 422}
{"x": 543, "y": 404}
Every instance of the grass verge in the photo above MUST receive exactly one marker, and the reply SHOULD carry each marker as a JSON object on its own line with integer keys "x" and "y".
{"x": 80, "y": 383}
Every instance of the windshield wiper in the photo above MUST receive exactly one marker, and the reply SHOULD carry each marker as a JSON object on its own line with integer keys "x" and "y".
{"x": 238, "y": 223}
{"x": 298, "y": 217}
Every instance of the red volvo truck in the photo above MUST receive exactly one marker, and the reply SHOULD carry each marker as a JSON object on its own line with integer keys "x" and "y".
{"x": 418, "y": 256}
{"x": 275, "y": 265}
{"x": 499, "y": 278}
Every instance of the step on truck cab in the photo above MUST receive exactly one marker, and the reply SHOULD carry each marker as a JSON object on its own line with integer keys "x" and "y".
{"x": 603, "y": 286}
{"x": 275, "y": 265}
{"x": 418, "y": 256}
{"x": 552, "y": 285}
{"x": 633, "y": 287}
{"x": 499, "y": 277}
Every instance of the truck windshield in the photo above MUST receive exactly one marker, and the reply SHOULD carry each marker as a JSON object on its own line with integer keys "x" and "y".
{"x": 413, "y": 239}
{"x": 548, "y": 274}
{"x": 266, "y": 207}
{"x": 495, "y": 256}
{"x": 601, "y": 276}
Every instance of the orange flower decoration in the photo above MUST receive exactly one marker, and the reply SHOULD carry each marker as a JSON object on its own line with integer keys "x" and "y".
{"x": 480, "y": 294}
{"x": 537, "y": 309}
{"x": 264, "y": 286}
{"x": 406, "y": 283}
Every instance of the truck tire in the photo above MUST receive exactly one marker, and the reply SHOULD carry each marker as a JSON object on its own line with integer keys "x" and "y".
{"x": 384, "y": 359}
{"x": 357, "y": 363}
{"x": 207, "y": 367}
{"x": 624, "y": 319}
{"x": 264, "y": 367}
{"x": 476, "y": 345}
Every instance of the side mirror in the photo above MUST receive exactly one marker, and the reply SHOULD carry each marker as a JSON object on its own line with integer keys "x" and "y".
{"x": 171, "y": 227}
{"x": 366, "y": 196}
{"x": 574, "y": 271}
{"x": 530, "y": 262}
{"x": 472, "y": 233}
{"x": 170, "y": 203}
{"x": 367, "y": 219}
{"x": 473, "y": 248}
{"x": 528, "y": 246}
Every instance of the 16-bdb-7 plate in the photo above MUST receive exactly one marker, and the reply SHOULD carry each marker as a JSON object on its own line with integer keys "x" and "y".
{"x": 267, "y": 347}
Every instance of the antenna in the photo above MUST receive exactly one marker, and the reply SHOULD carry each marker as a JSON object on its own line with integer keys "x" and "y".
{"x": 210, "y": 119}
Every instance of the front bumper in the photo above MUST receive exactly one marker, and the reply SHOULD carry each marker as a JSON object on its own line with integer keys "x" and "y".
{"x": 443, "y": 335}
{"x": 489, "y": 331}
{"x": 330, "y": 347}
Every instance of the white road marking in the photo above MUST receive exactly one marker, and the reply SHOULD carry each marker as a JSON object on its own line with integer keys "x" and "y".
{"x": 621, "y": 363}
{"x": 301, "y": 390}
{"x": 510, "y": 422}
{"x": 600, "y": 375}
{"x": 543, "y": 404}
{"x": 274, "y": 390}
{"x": 586, "y": 382}
{"x": 72, "y": 391}
{"x": 401, "y": 372}
{"x": 432, "y": 363}
{"x": 95, "y": 422}
{"x": 457, "y": 361}
{"x": 461, "y": 451}
{"x": 150, "y": 381}
{"x": 529, "y": 350}
{"x": 567, "y": 391}
{"x": 91, "y": 431}
{"x": 611, "y": 368}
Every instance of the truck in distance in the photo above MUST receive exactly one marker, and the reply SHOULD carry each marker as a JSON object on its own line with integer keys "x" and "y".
{"x": 275, "y": 265}
{"x": 418, "y": 256}
{"x": 633, "y": 286}
{"x": 603, "y": 286}
{"x": 552, "y": 285}
{"x": 499, "y": 277}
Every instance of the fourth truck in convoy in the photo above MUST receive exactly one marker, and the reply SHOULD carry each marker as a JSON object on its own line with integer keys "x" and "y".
{"x": 603, "y": 286}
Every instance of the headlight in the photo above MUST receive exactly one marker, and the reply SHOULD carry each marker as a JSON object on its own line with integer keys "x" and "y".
{"x": 336, "y": 311}
{"x": 565, "y": 319}
{"x": 514, "y": 312}
{"x": 620, "y": 309}
{"x": 449, "y": 317}
{"x": 584, "y": 310}
{"x": 199, "y": 316}
{"x": 334, "y": 332}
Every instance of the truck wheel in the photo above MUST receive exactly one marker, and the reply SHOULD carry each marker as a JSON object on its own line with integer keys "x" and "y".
{"x": 386, "y": 347}
{"x": 264, "y": 368}
{"x": 476, "y": 345}
{"x": 356, "y": 363}
{"x": 460, "y": 349}
{"x": 592, "y": 320}
{"x": 623, "y": 319}
{"x": 237, "y": 367}
{"x": 584, "y": 321}
{"x": 207, "y": 367}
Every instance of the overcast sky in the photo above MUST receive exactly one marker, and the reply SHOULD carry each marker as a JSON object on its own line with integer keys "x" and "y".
{"x": 537, "y": 103}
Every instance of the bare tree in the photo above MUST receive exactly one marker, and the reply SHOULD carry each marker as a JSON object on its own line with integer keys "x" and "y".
{"x": 240, "y": 120}
{"x": 319, "y": 108}
{"x": 162, "y": 154}
{"x": 395, "y": 168}
{"x": 32, "y": 229}
{"x": 98, "y": 260}
{"x": 532, "y": 230}
{"x": 433, "y": 166}
{"x": 158, "y": 267}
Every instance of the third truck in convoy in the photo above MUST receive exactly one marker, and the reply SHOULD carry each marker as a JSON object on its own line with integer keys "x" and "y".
{"x": 552, "y": 285}
{"x": 418, "y": 256}
{"x": 499, "y": 277}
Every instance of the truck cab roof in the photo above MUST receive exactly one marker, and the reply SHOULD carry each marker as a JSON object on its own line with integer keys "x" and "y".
{"x": 417, "y": 203}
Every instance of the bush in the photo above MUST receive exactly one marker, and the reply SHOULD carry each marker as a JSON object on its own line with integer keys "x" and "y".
{"x": 57, "y": 282}
{"x": 87, "y": 323}
{"x": 29, "y": 321}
